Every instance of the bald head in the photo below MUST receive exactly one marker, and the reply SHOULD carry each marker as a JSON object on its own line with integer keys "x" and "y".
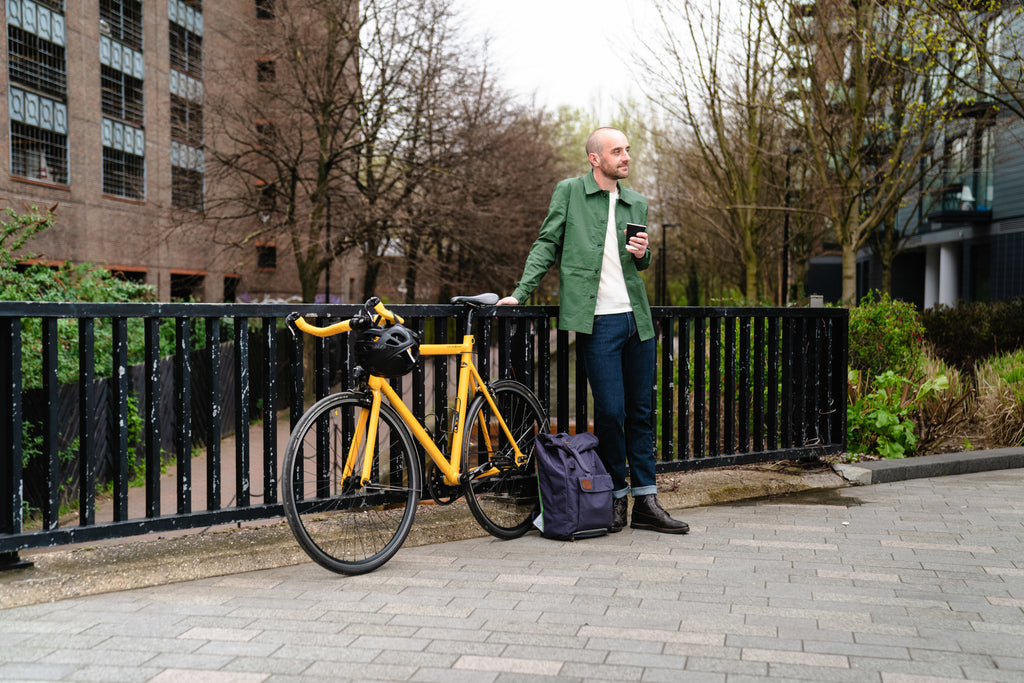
{"x": 599, "y": 138}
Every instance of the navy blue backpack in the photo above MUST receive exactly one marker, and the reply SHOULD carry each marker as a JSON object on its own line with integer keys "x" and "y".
{"x": 575, "y": 488}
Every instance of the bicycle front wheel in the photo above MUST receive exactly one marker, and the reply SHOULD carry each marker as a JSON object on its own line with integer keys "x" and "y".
{"x": 345, "y": 524}
{"x": 503, "y": 499}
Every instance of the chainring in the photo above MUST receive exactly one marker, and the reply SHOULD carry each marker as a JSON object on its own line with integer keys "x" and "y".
{"x": 442, "y": 493}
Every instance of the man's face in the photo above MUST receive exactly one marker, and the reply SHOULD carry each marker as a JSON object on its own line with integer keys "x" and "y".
{"x": 613, "y": 159}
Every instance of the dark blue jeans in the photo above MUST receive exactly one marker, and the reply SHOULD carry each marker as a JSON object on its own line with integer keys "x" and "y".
{"x": 620, "y": 370}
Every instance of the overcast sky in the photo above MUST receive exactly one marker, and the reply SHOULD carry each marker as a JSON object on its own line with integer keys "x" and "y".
{"x": 574, "y": 52}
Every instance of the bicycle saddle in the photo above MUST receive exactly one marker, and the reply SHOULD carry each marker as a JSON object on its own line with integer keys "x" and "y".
{"x": 478, "y": 301}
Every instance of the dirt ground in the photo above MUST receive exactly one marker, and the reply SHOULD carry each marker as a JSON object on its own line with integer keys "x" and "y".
{"x": 56, "y": 574}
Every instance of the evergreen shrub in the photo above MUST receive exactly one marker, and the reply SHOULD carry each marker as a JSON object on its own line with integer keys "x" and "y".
{"x": 965, "y": 335}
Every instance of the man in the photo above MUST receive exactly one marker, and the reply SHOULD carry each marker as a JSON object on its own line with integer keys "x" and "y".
{"x": 604, "y": 301}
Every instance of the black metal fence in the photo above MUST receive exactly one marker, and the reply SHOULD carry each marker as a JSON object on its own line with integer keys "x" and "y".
{"x": 735, "y": 385}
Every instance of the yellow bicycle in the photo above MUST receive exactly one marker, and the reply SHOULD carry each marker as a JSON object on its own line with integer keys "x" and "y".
{"x": 352, "y": 479}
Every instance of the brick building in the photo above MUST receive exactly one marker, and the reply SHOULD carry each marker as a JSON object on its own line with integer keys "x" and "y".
{"x": 105, "y": 120}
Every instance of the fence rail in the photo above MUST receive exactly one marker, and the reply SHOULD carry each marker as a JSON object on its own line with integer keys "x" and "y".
{"x": 734, "y": 386}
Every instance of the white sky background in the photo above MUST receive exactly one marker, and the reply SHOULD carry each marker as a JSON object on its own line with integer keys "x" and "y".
{"x": 555, "y": 52}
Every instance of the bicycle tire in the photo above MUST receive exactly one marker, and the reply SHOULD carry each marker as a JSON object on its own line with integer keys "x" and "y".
{"x": 504, "y": 503}
{"x": 341, "y": 524}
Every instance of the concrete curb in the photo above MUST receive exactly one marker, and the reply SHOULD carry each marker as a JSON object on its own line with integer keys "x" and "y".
{"x": 941, "y": 465}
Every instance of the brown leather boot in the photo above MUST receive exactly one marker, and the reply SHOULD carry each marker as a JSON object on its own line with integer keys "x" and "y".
{"x": 648, "y": 514}
{"x": 619, "y": 506}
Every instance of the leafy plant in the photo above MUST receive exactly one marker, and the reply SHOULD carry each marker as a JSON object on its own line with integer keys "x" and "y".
{"x": 885, "y": 334}
{"x": 878, "y": 420}
{"x": 943, "y": 415}
{"x": 15, "y": 234}
{"x": 1001, "y": 399}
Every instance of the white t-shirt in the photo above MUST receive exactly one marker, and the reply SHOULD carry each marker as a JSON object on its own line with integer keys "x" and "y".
{"x": 612, "y": 296}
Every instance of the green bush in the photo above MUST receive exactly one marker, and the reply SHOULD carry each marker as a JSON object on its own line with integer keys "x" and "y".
{"x": 971, "y": 332}
{"x": 885, "y": 334}
{"x": 879, "y": 421}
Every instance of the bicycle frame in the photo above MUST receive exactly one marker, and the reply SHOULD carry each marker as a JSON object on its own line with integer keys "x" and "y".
{"x": 469, "y": 383}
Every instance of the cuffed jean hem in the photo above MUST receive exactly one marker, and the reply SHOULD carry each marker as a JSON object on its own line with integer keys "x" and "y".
{"x": 643, "y": 491}
{"x": 620, "y": 493}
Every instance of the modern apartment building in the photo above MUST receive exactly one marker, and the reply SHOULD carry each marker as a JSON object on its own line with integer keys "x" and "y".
{"x": 105, "y": 121}
{"x": 965, "y": 223}
{"x": 968, "y": 244}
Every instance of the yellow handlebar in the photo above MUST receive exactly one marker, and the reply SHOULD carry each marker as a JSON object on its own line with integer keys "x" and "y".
{"x": 336, "y": 328}
{"x": 376, "y": 305}
{"x": 386, "y": 314}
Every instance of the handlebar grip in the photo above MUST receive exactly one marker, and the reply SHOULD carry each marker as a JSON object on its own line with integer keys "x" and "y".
{"x": 386, "y": 314}
{"x": 337, "y": 328}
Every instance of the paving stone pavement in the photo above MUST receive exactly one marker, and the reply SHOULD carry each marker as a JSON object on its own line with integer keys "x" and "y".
{"x": 902, "y": 582}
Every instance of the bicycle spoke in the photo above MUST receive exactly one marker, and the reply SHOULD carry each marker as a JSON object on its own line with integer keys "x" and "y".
{"x": 343, "y": 524}
{"x": 504, "y": 498}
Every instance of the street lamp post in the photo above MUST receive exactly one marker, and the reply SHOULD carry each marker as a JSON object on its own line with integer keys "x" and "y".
{"x": 785, "y": 242}
{"x": 330, "y": 257}
{"x": 785, "y": 229}
{"x": 663, "y": 266}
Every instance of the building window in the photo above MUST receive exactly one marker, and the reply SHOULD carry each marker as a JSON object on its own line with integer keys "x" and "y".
{"x": 266, "y": 71}
{"x": 36, "y": 63}
{"x": 264, "y": 9}
{"x": 128, "y": 274}
{"x": 266, "y": 203}
{"x": 186, "y": 121}
{"x": 124, "y": 174}
{"x": 122, "y": 96}
{"x": 266, "y": 133}
{"x": 187, "y": 188}
{"x": 186, "y": 51}
{"x": 187, "y": 286}
{"x": 266, "y": 257}
{"x": 122, "y": 21}
{"x": 39, "y": 154}
{"x": 231, "y": 283}
{"x": 186, "y": 62}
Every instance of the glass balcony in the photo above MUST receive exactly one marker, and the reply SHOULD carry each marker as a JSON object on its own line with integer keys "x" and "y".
{"x": 966, "y": 197}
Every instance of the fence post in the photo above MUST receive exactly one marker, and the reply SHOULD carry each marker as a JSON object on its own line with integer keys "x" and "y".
{"x": 11, "y": 512}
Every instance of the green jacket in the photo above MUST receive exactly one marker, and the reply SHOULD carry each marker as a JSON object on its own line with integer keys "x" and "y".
{"x": 573, "y": 236}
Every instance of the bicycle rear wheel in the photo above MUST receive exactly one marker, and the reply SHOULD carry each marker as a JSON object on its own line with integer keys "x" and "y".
{"x": 343, "y": 524}
{"x": 504, "y": 500}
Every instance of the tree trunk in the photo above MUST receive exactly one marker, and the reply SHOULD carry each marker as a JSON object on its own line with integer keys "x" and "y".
{"x": 370, "y": 274}
{"x": 887, "y": 278}
{"x": 750, "y": 266}
{"x": 849, "y": 274}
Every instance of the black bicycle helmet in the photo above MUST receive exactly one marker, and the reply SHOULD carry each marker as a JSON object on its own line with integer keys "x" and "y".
{"x": 388, "y": 351}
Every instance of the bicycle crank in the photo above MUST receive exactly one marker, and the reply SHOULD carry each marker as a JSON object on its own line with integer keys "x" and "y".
{"x": 442, "y": 493}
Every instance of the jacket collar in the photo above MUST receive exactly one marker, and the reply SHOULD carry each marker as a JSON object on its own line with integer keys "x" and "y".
{"x": 590, "y": 187}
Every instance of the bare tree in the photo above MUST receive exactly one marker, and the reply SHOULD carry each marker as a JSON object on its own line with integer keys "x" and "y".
{"x": 279, "y": 140}
{"x": 867, "y": 103}
{"x": 335, "y": 140}
{"x": 489, "y": 166}
{"x": 717, "y": 85}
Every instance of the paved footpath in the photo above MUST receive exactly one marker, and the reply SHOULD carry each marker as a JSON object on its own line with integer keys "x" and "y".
{"x": 905, "y": 582}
